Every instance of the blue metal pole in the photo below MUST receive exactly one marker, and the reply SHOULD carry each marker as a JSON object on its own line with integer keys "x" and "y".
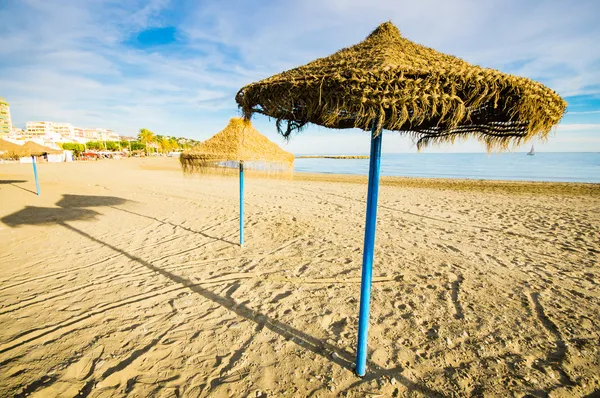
{"x": 241, "y": 203}
{"x": 37, "y": 183}
{"x": 369, "y": 245}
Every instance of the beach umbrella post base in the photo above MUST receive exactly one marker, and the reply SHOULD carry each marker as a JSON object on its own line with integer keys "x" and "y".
{"x": 35, "y": 174}
{"x": 369, "y": 246}
{"x": 241, "y": 203}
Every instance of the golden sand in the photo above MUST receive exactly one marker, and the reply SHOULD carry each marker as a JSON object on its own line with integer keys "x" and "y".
{"x": 124, "y": 277}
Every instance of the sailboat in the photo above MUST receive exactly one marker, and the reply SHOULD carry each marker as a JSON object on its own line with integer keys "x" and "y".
{"x": 531, "y": 151}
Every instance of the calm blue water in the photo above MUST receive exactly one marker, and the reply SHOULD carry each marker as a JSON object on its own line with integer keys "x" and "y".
{"x": 565, "y": 167}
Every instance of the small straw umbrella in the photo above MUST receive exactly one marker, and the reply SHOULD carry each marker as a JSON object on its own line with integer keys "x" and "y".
{"x": 389, "y": 82}
{"x": 239, "y": 143}
{"x": 8, "y": 150}
{"x": 34, "y": 150}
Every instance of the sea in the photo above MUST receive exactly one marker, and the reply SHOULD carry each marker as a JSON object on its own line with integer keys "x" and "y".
{"x": 513, "y": 166}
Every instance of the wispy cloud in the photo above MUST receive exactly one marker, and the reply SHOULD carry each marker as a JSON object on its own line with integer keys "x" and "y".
{"x": 75, "y": 60}
{"x": 585, "y": 112}
{"x": 592, "y": 128}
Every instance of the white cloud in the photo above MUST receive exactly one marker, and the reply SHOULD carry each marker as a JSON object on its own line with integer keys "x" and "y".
{"x": 584, "y": 112}
{"x": 592, "y": 128}
{"x": 64, "y": 60}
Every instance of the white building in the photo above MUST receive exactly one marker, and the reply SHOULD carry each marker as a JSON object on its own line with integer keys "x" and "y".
{"x": 65, "y": 130}
{"x": 91, "y": 134}
{"x": 78, "y": 132}
{"x": 112, "y": 135}
{"x": 39, "y": 129}
{"x": 98, "y": 134}
{"x": 5, "y": 120}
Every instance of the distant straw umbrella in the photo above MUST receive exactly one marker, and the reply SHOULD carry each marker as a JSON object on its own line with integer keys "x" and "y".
{"x": 241, "y": 144}
{"x": 36, "y": 149}
{"x": 33, "y": 149}
{"x": 389, "y": 82}
{"x": 8, "y": 150}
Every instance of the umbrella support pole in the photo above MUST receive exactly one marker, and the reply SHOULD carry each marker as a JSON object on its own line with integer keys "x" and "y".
{"x": 37, "y": 183}
{"x": 369, "y": 245}
{"x": 241, "y": 203}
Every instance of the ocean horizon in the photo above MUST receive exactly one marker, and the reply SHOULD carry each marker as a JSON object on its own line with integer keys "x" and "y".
{"x": 511, "y": 166}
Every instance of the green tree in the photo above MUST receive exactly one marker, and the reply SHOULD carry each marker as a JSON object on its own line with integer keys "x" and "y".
{"x": 77, "y": 149}
{"x": 164, "y": 144}
{"x": 136, "y": 146}
{"x": 112, "y": 145}
{"x": 125, "y": 145}
{"x": 173, "y": 143}
{"x": 95, "y": 145}
{"x": 146, "y": 137}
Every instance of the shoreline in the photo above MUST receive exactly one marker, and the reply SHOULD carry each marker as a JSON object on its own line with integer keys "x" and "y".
{"x": 512, "y": 186}
{"x": 333, "y": 157}
{"x": 418, "y": 182}
{"x": 454, "y": 184}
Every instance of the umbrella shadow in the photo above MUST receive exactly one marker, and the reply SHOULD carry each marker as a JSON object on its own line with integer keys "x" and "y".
{"x": 326, "y": 350}
{"x": 32, "y": 215}
{"x": 72, "y": 209}
{"x": 14, "y": 182}
{"x": 76, "y": 201}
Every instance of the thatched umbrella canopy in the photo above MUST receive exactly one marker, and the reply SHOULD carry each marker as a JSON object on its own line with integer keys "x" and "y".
{"x": 389, "y": 82}
{"x": 409, "y": 88}
{"x": 35, "y": 149}
{"x": 239, "y": 141}
{"x": 241, "y": 144}
{"x": 8, "y": 146}
{"x": 10, "y": 150}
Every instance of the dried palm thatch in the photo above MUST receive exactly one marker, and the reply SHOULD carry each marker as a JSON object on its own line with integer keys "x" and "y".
{"x": 238, "y": 142}
{"x": 8, "y": 150}
{"x": 406, "y": 87}
{"x": 35, "y": 149}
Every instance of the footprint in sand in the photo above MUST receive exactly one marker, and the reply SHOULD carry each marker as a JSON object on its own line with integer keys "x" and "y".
{"x": 83, "y": 368}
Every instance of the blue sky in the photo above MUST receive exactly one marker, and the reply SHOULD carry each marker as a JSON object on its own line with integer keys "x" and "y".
{"x": 174, "y": 66}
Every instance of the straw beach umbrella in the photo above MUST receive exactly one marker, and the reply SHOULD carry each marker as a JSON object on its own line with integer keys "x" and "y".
{"x": 237, "y": 144}
{"x": 388, "y": 82}
{"x": 34, "y": 150}
{"x": 8, "y": 150}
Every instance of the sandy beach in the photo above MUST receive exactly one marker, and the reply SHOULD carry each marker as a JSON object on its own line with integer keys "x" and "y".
{"x": 125, "y": 278}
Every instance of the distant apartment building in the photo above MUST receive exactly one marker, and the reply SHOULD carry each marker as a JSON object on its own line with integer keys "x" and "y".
{"x": 66, "y": 130}
{"x": 98, "y": 134}
{"x": 91, "y": 134}
{"x": 78, "y": 132}
{"x": 39, "y": 129}
{"x": 53, "y": 131}
{"x": 5, "y": 120}
{"x": 112, "y": 135}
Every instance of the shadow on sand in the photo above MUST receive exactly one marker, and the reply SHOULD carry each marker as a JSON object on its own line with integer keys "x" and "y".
{"x": 79, "y": 201}
{"x": 72, "y": 209}
{"x": 14, "y": 184}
